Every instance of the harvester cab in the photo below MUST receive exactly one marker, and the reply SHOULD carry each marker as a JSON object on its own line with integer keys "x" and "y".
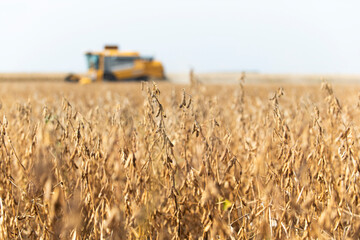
{"x": 113, "y": 65}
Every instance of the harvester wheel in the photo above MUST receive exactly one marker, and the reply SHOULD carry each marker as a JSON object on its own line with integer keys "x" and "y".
{"x": 143, "y": 78}
{"x": 72, "y": 78}
{"x": 109, "y": 77}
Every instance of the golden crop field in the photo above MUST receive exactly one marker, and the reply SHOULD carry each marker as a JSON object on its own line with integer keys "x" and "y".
{"x": 166, "y": 161}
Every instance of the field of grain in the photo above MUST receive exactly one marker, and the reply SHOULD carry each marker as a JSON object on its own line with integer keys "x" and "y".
{"x": 166, "y": 161}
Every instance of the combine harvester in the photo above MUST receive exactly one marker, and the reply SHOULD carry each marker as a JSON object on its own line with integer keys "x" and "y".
{"x": 114, "y": 65}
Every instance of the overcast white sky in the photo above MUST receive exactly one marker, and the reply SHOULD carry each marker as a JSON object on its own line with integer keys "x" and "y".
{"x": 308, "y": 36}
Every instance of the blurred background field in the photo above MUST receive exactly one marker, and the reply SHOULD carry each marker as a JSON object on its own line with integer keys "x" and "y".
{"x": 207, "y": 78}
{"x": 32, "y": 77}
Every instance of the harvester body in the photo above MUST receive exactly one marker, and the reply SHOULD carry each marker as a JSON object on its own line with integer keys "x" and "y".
{"x": 113, "y": 65}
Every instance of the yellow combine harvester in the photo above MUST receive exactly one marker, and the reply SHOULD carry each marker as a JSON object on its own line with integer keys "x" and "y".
{"x": 112, "y": 65}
